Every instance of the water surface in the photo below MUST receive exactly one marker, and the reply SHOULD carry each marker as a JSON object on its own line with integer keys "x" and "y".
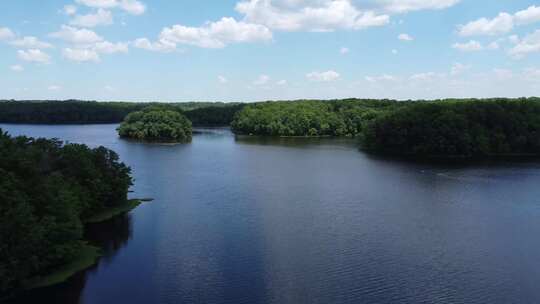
{"x": 251, "y": 220}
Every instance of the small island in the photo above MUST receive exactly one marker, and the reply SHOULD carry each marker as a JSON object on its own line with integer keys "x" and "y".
{"x": 49, "y": 190}
{"x": 156, "y": 124}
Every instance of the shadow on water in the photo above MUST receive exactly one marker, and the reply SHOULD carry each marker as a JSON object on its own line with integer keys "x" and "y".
{"x": 110, "y": 236}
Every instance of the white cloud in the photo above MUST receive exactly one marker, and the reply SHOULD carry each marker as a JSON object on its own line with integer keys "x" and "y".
{"x": 458, "y": 68}
{"x": 16, "y": 68}
{"x": 54, "y": 88}
{"x": 405, "y": 37}
{"x": 101, "y": 17}
{"x": 109, "y": 88}
{"x": 262, "y": 80}
{"x": 327, "y": 76}
{"x": 216, "y": 34}
{"x": 501, "y": 24}
{"x": 159, "y": 46}
{"x": 133, "y": 7}
{"x": 344, "y": 51}
{"x": 381, "y": 78}
{"x": 281, "y": 82}
{"x": 404, "y": 6}
{"x": 6, "y": 33}
{"x": 69, "y": 10}
{"x": 318, "y": 15}
{"x": 107, "y": 47}
{"x": 77, "y": 36}
{"x": 34, "y": 55}
{"x": 529, "y": 15}
{"x": 503, "y": 74}
{"x": 30, "y": 42}
{"x": 394, "y": 51}
{"x": 426, "y": 77}
{"x": 470, "y": 46}
{"x": 80, "y": 55}
{"x": 529, "y": 44}
{"x": 222, "y": 79}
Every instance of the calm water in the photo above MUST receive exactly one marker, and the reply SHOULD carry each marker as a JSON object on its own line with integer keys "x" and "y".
{"x": 307, "y": 221}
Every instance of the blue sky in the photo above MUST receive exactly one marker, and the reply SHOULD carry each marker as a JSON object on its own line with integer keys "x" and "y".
{"x": 249, "y": 50}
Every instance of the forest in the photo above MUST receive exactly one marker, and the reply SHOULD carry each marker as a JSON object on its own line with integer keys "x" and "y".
{"x": 48, "y": 190}
{"x": 156, "y": 123}
{"x": 92, "y": 112}
{"x": 346, "y": 117}
{"x": 459, "y": 128}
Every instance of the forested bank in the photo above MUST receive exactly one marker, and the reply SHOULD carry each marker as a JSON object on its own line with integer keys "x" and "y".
{"x": 91, "y": 112}
{"x": 346, "y": 117}
{"x": 463, "y": 128}
{"x": 47, "y": 191}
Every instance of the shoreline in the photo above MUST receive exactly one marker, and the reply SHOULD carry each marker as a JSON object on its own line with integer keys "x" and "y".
{"x": 89, "y": 254}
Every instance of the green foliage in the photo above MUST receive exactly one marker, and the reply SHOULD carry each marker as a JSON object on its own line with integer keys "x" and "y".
{"x": 156, "y": 124}
{"x": 308, "y": 117}
{"x": 460, "y": 128}
{"x": 47, "y": 189}
{"x": 87, "y": 112}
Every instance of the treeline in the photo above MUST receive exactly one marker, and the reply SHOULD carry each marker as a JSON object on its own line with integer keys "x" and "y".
{"x": 346, "y": 117}
{"x": 91, "y": 112}
{"x": 460, "y": 128}
{"x": 47, "y": 190}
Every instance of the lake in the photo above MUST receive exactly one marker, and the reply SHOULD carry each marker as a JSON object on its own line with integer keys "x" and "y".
{"x": 254, "y": 220}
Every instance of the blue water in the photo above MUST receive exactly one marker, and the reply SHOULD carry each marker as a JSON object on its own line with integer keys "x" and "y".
{"x": 245, "y": 220}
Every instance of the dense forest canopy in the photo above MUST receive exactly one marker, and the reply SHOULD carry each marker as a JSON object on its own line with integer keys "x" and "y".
{"x": 308, "y": 117}
{"x": 47, "y": 190}
{"x": 156, "y": 123}
{"x": 465, "y": 128}
{"x": 88, "y": 112}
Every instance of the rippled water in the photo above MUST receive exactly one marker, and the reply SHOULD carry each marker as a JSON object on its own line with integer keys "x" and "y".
{"x": 246, "y": 220}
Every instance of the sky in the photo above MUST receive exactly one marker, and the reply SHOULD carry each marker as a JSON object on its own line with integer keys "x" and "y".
{"x": 252, "y": 50}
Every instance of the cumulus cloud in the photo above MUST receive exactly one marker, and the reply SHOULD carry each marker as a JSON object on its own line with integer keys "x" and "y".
{"x": 458, "y": 68}
{"x": 69, "y": 10}
{"x": 54, "y": 87}
{"x": 501, "y": 24}
{"x": 281, "y": 82}
{"x": 222, "y": 79}
{"x": 405, "y": 37}
{"x": 215, "y": 34}
{"x": 344, "y": 50}
{"x": 106, "y": 47}
{"x": 6, "y": 33}
{"x": 16, "y": 68}
{"x": 426, "y": 77}
{"x": 529, "y": 15}
{"x": 159, "y": 46}
{"x": 261, "y": 80}
{"x": 470, "y": 46}
{"x": 133, "y": 7}
{"x": 80, "y": 55}
{"x": 321, "y": 15}
{"x": 327, "y": 76}
{"x": 30, "y": 42}
{"x": 404, "y": 6}
{"x": 34, "y": 55}
{"x": 76, "y": 35}
{"x": 381, "y": 78}
{"x": 529, "y": 44}
{"x": 101, "y": 17}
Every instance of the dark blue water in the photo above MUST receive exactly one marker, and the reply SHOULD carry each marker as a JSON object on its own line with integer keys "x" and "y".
{"x": 307, "y": 221}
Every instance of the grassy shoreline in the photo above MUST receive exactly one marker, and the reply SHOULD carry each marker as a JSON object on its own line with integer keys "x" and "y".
{"x": 88, "y": 256}
{"x": 112, "y": 212}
